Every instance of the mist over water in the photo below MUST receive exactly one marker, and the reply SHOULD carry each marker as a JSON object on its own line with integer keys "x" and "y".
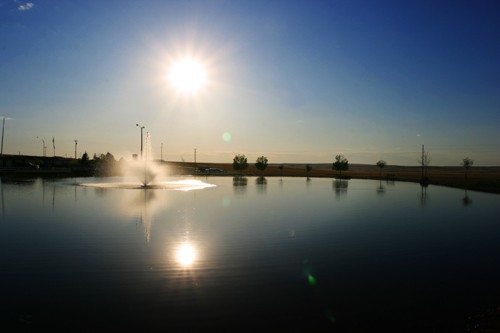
{"x": 145, "y": 169}
{"x": 145, "y": 172}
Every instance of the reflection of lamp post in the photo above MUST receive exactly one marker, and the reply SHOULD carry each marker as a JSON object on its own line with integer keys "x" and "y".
{"x": 141, "y": 127}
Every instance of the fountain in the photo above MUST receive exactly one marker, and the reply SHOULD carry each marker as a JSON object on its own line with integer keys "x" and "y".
{"x": 145, "y": 169}
{"x": 146, "y": 173}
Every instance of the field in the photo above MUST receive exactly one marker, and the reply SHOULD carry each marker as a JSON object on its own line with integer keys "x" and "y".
{"x": 484, "y": 179}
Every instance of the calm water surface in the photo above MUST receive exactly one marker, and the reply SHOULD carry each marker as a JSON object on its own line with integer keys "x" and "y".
{"x": 247, "y": 254}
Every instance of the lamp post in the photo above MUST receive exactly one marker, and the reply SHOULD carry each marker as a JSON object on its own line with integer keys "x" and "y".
{"x": 141, "y": 127}
{"x": 76, "y": 144}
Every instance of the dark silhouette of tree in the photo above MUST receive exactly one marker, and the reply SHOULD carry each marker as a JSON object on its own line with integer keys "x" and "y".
{"x": 240, "y": 162}
{"x": 424, "y": 161}
{"x": 281, "y": 169}
{"x": 308, "y": 169}
{"x": 85, "y": 158}
{"x": 261, "y": 164}
{"x": 467, "y": 164}
{"x": 381, "y": 164}
{"x": 105, "y": 165}
{"x": 341, "y": 163}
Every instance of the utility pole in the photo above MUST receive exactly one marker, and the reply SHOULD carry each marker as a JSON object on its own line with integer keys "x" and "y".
{"x": 3, "y": 128}
{"x": 76, "y": 144}
{"x": 43, "y": 145}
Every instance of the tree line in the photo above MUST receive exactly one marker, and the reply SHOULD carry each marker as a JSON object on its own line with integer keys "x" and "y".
{"x": 340, "y": 163}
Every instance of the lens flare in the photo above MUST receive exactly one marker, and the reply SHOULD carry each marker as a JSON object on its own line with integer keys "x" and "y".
{"x": 226, "y": 137}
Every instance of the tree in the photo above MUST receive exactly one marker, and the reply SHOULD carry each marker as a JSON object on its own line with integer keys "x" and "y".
{"x": 341, "y": 163}
{"x": 467, "y": 164}
{"x": 424, "y": 161}
{"x": 105, "y": 164}
{"x": 261, "y": 163}
{"x": 381, "y": 164}
{"x": 240, "y": 162}
{"x": 308, "y": 169}
{"x": 85, "y": 158}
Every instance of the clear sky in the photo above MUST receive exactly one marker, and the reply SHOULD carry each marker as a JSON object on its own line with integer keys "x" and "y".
{"x": 296, "y": 81}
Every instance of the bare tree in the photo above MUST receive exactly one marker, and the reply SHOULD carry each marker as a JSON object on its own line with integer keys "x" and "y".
{"x": 308, "y": 169}
{"x": 467, "y": 164}
{"x": 424, "y": 161}
{"x": 381, "y": 164}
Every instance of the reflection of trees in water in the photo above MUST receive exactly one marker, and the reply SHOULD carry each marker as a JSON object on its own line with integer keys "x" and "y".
{"x": 380, "y": 188}
{"x": 240, "y": 184}
{"x": 390, "y": 182}
{"x": 466, "y": 200}
{"x": 423, "y": 194}
{"x": 340, "y": 187}
{"x": 261, "y": 183}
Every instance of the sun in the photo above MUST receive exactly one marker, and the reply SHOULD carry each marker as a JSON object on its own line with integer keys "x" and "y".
{"x": 187, "y": 76}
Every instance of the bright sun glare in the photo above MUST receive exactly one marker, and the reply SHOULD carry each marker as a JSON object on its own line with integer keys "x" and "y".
{"x": 186, "y": 255}
{"x": 187, "y": 76}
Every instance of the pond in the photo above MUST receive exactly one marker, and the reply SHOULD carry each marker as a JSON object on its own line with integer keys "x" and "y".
{"x": 250, "y": 254}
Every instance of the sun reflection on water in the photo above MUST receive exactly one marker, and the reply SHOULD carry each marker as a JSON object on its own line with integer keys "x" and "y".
{"x": 186, "y": 255}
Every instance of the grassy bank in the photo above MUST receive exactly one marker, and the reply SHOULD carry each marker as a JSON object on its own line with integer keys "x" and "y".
{"x": 484, "y": 179}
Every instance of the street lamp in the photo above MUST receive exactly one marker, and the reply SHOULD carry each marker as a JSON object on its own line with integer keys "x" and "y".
{"x": 141, "y": 127}
{"x": 76, "y": 144}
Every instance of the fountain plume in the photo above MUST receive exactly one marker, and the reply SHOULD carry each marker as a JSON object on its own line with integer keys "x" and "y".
{"x": 146, "y": 169}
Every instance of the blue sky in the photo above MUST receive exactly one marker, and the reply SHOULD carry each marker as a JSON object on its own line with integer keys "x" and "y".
{"x": 296, "y": 81}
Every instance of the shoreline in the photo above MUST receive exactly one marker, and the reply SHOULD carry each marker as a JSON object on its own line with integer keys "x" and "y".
{"x": 481, "y": 179}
